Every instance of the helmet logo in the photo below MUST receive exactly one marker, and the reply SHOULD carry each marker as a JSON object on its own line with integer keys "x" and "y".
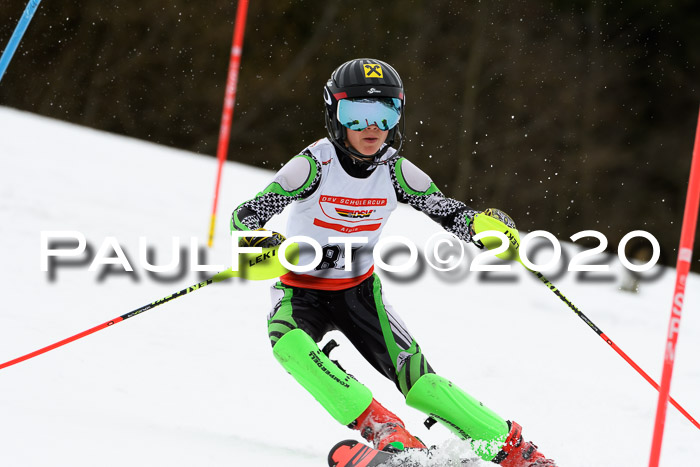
{"x": 372, "y": 91}
{"x": 327, "y": 96}
{"x": 373, "y": 70}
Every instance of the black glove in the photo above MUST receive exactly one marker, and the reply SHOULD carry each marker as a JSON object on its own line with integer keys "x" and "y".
{"x": 263, "y": 242}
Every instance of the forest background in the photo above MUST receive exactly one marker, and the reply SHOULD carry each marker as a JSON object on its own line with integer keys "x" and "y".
{"x": 568, "y": 114}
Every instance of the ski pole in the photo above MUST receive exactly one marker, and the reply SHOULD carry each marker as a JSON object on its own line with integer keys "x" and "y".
{"x": 609, "y": 341}
{"x": 218, "y": 277}
{"x": 252, "y": 266}
{"x": 17, "y": 35}
{"x": 486, "y": 223}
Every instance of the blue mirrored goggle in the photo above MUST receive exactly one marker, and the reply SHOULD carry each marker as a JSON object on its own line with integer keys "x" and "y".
{"x": 360, "y": 113}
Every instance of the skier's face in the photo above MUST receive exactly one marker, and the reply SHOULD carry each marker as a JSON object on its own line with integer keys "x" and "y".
{"x": 367, "y": 141}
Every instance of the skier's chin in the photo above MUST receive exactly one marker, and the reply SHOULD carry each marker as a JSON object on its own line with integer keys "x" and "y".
{"x": 369, "y": 148}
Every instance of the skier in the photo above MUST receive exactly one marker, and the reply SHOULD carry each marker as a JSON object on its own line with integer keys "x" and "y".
{"x": 343, "y": 187}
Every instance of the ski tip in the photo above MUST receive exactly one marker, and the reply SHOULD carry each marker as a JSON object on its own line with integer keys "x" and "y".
{"x": 340, "y": 451}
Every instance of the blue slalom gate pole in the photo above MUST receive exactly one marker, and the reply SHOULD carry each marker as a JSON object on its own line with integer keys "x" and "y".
{"x": 17, "y": 35}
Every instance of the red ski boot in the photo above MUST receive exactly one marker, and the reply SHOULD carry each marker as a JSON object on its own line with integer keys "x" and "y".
{"x": 381, "y": 427}
{"x": 519, "y": 453}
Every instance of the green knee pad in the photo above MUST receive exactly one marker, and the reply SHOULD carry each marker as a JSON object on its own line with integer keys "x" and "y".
{"x": 341, "y": 395}
{"x": 461, "y": 413}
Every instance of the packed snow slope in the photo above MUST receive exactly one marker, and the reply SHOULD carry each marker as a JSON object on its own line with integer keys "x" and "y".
{"x": 194, "y": 382}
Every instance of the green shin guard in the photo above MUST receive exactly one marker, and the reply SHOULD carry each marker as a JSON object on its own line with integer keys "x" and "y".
{"x": 341, "y": 395}
{"x": 461, "y": 413}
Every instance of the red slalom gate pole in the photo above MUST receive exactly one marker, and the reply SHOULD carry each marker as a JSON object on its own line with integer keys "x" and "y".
{"x": 685, "y": 254}
{"x": 229, "y": 102}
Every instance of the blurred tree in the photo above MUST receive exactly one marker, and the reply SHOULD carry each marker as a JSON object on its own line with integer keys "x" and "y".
{"x": 569, "y": 114}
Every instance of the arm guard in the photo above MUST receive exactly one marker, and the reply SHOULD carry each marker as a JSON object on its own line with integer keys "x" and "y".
{"x": 298, "y": 179}
{"x": 414, "y": 187}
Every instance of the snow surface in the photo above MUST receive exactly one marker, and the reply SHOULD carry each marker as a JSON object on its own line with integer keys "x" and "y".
{"x": 193, "y": 382}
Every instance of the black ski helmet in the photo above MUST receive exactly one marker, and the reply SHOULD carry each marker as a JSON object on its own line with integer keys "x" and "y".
{"x": 362, "y": 77}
